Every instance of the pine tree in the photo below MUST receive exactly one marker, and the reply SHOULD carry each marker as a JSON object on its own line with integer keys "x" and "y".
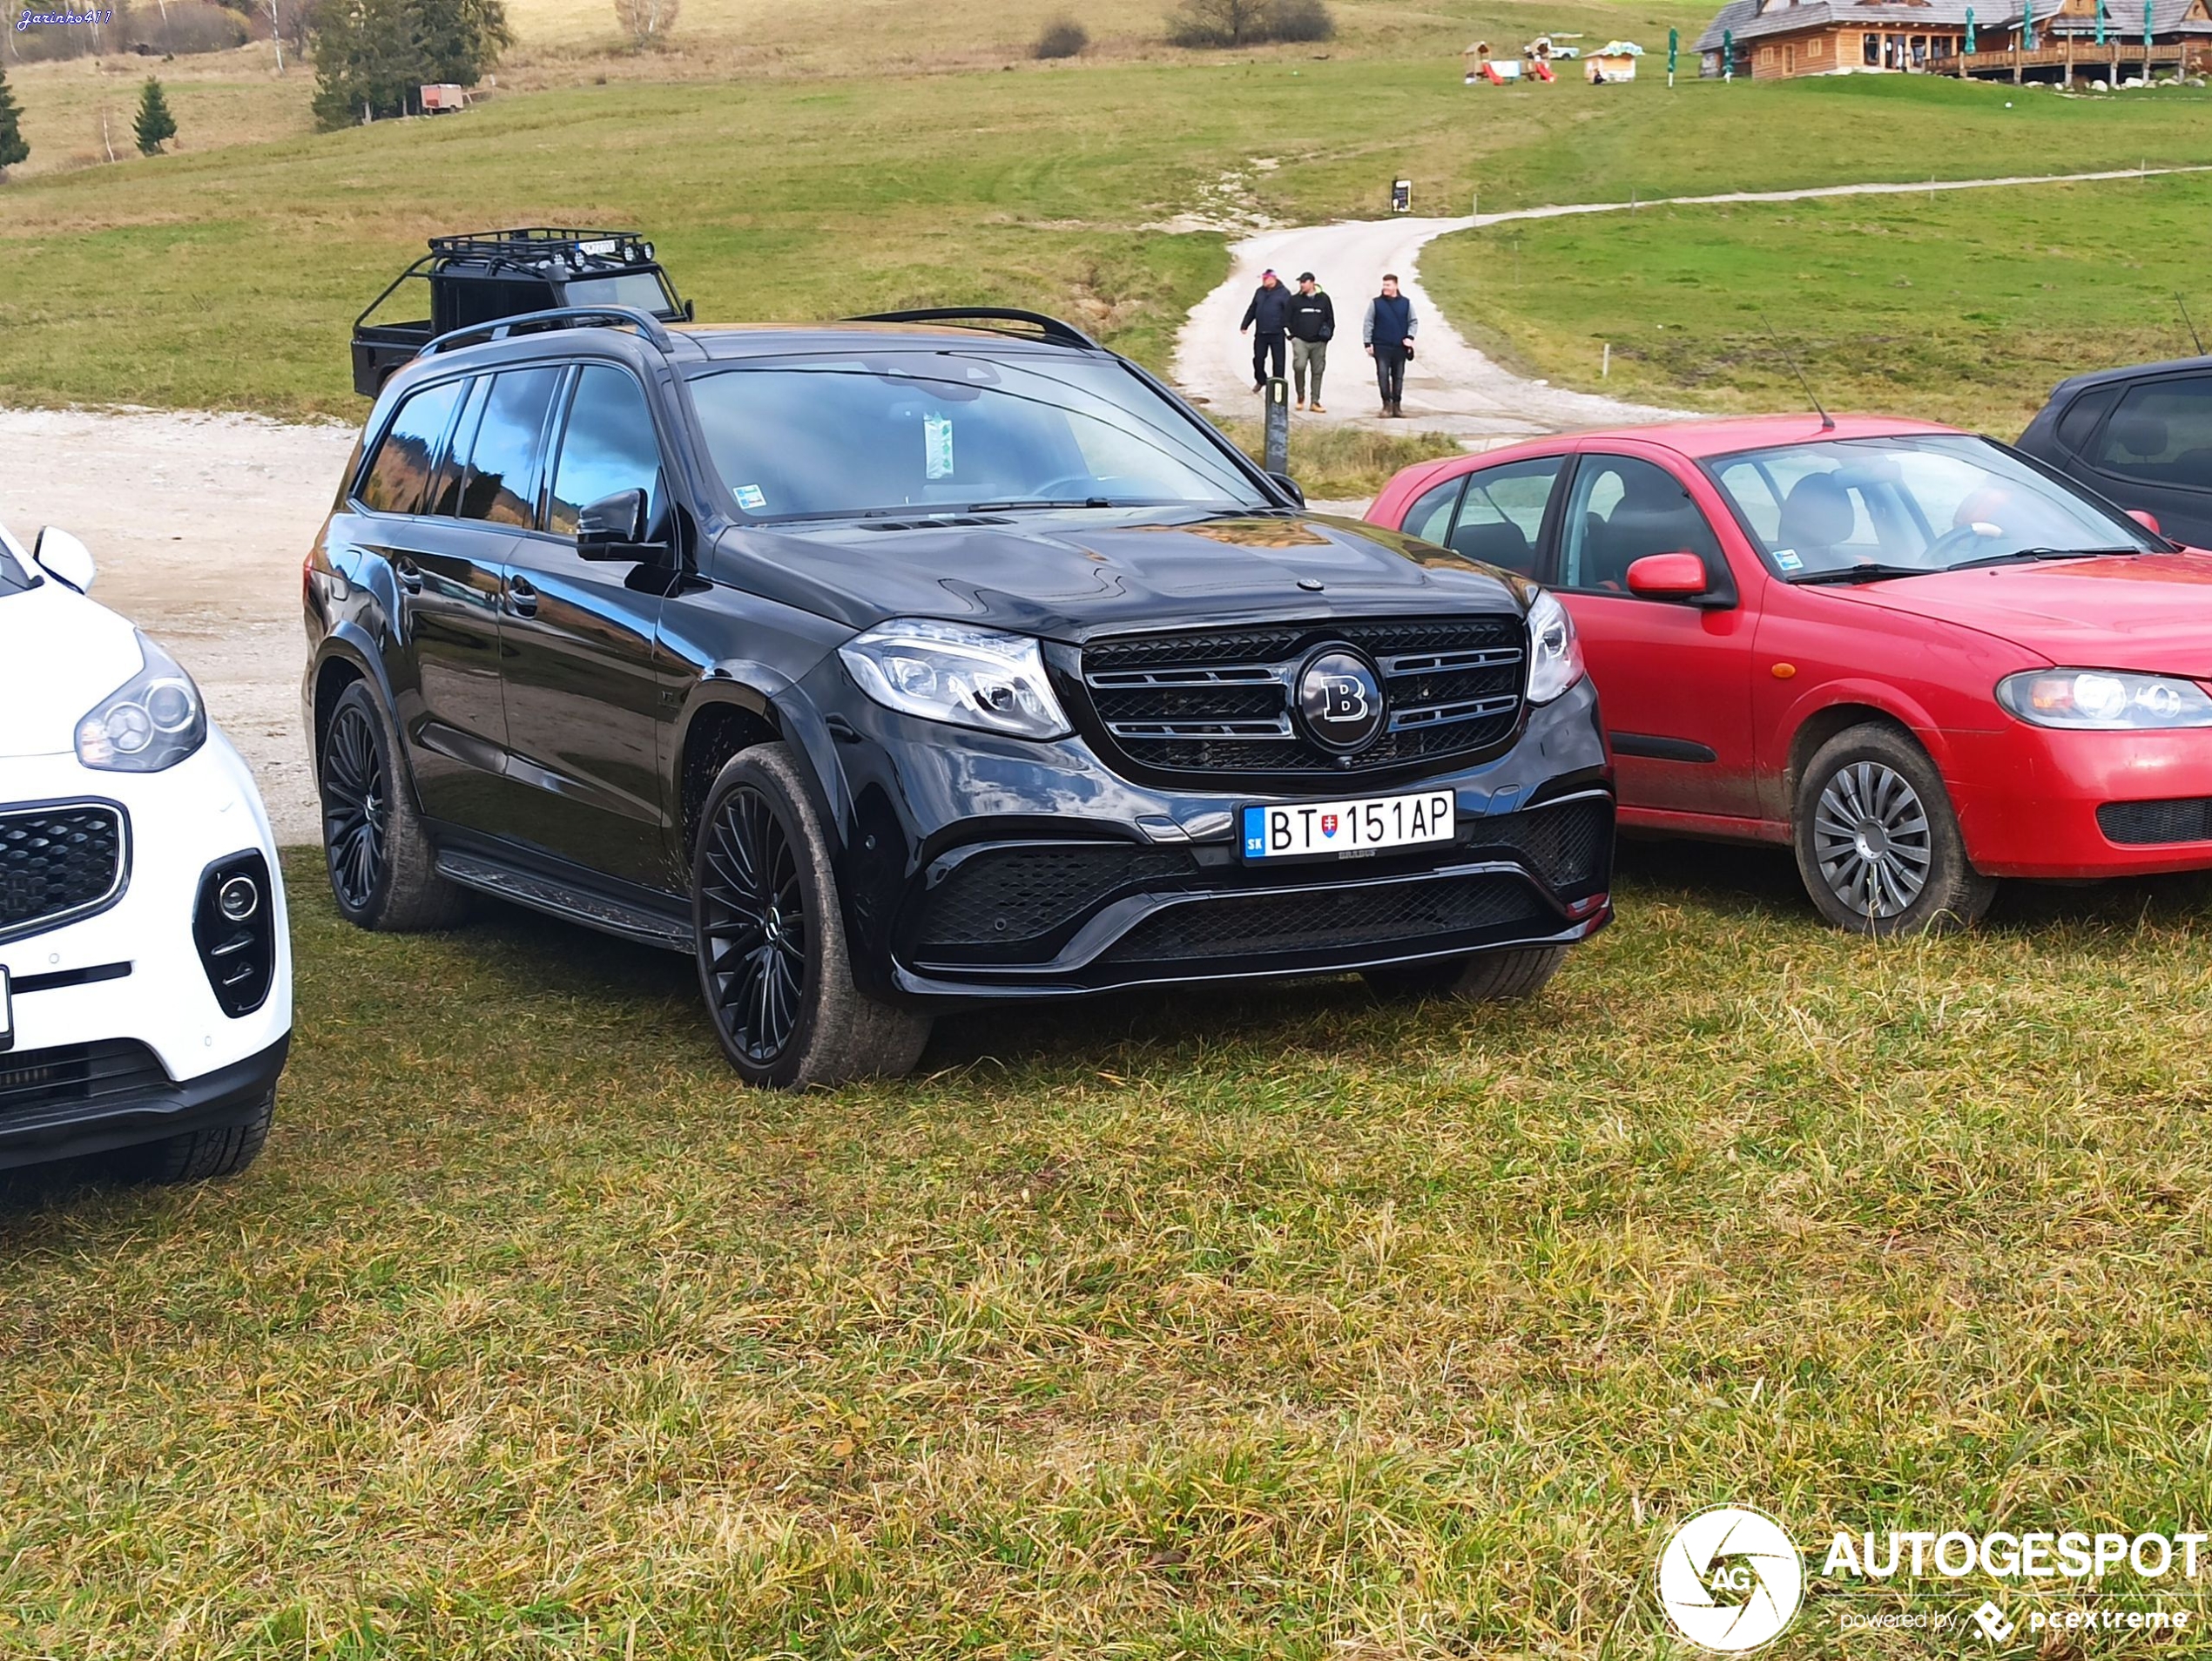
{"x": 155, "y": 125}
{"x": 373, "y": 56}
{"x": 12, "y": 148}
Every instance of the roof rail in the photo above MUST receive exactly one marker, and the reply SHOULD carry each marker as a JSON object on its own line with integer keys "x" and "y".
{"x": 560, "y": 317}
{"x": 1050, "y": 328}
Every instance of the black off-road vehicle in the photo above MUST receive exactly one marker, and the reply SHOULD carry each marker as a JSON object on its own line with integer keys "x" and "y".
{"x": 898, "y": 663}
{"x": 486, "y": 275}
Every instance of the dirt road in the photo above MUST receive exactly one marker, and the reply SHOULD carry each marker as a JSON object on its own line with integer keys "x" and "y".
{"x": 199, "y": 524}
{"x": 1450, "y": 386}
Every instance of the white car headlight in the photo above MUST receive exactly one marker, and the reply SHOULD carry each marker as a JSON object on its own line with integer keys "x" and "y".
{"x": 2104, "y": 700}
{"x": 153, "y": 720}
{"x": 1555, "y": 655}
{"x": 943, "y": 671}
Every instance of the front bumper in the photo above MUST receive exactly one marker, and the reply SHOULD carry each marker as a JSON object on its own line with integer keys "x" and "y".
{"x": 2028, "y": 801}
{"x": 124, "y": 995}
{"x": 981, "y": 868}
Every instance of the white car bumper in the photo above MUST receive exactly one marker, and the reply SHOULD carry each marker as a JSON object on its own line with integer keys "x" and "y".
{"x": 132, "y": 973}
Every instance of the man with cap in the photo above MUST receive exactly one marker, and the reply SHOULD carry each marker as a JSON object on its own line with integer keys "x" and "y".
{"x": 1389, "y": 330}
{"x": 1313, "y": 324}
{"x": 1271, "y": 309}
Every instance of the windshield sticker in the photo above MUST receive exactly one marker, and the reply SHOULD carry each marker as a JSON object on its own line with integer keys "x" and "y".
{"x": 1788, "y": 559}
{"x": 752, "y": 498}
{"x": 937, "y": 446}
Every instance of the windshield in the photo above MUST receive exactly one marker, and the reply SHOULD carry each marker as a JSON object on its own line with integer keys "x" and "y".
{"x": 15, "y": 565}
{"x": 642, "y": 289}
{"x": 883, "y": 431}
{"x": 1911, "y": 504}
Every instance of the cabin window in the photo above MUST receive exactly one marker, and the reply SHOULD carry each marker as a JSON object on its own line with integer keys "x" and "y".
{"x": 1869, "y": 49}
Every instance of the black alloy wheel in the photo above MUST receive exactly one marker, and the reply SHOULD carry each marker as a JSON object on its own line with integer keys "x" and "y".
{"x": 356, "y": 798}
{"x": 769, "y": 932}
{"x": 752, "y": 913}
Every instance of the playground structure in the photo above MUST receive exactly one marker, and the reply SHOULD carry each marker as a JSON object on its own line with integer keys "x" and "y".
{"x": 1535, "y": 62}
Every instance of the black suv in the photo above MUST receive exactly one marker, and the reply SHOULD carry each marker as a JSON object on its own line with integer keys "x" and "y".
{"x": 2141, "y": 438}
{"x": 898, "y": 663}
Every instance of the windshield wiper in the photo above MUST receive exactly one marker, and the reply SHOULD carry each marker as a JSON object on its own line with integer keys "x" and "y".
{"x": 1869, "y": 572}
{"x": 1013, "y": 503}
{"x": 2043, "y": 553}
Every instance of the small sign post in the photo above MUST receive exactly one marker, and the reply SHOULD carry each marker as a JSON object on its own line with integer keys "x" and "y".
{"x": 1401, "y": 195}
{"x": 1674, "y": 43}
{"x": 1279, "y": 425}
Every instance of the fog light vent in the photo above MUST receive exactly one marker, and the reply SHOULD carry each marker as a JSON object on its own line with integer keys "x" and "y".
{"x": 235, "y": 926}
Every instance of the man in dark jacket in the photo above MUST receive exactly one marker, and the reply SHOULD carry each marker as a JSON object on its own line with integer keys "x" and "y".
{"x": 1271, "y": 309}
{"x": 1389, "y": 330}
{"x": 1313, "y": 325}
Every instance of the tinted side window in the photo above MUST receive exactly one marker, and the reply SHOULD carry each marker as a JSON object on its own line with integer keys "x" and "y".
{"x": 2161, "y": 432}
{"x": 501, "y": 485}
{"x": 1503, "y": 513}
{"x": 399, "y": 479}
{"x": 1621, "y": 510}
{"x": 608, "y": 446}
{"x": 1430, "y": 517}
{"x": 2079, "y": 424}
{"x": 445, "y": 495}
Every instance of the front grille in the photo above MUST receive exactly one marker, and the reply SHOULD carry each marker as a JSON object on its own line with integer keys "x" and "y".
{"x": 1220, "y": 701}
{"x": 1388, "y": 914}
{"x": 75, "y": 1077}
{"x": 57, "y": 862}
{"x": 2189, "y": 820}
{"x": 1567, "y": 844}
{"x": 1006, "y": 895}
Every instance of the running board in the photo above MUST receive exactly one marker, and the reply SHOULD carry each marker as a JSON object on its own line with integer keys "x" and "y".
{"x": 570, "y": 904}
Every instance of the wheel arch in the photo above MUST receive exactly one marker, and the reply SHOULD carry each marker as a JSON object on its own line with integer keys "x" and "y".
{"x": 1839, "y": 709}
{"x": 735, "y": 707}
{"x": 347, "y": 655}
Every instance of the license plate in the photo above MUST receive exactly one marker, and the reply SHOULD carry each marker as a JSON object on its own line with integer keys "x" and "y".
{"x": 1332, "y": 829}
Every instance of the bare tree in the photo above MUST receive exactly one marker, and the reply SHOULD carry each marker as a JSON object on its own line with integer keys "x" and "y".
{"x": 646, "y": 21}
{"x": 1217, "y": 23}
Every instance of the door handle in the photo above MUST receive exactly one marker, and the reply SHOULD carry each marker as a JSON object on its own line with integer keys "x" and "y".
{"x": 521, "y": 598}
{"x": 410, "y": 573}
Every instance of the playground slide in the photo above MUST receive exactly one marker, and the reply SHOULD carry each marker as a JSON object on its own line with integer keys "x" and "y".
{"x": 1540, "y": 70}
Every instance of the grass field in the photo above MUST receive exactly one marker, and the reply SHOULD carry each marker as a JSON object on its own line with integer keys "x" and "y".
{"x": 1206, "y": 1325}
{"x": 228, "y": 277}
{"x": 1965, "y": 306}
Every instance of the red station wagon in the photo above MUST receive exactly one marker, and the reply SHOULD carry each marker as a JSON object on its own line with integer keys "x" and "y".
{"x": 1922, "y": 660}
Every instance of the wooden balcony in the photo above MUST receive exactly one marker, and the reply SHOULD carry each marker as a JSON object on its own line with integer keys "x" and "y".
{"x": 2078, "y": 59}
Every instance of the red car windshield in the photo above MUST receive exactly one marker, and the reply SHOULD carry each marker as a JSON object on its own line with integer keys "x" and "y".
{"x": 1906, "y": 505}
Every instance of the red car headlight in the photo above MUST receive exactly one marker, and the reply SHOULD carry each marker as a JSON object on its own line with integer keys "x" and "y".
{"x": 2104, "y": 700}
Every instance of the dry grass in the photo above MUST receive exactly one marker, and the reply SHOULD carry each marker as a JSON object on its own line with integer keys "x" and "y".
{"x": 1283, "y": 1324}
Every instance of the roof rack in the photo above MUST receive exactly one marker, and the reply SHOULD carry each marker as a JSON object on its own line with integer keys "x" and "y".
{"x": 538, "y": 241}
{"x": 560, "y": 317}
{"x": 989, "y": 317}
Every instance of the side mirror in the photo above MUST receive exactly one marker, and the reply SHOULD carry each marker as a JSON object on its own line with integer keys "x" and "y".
{"x": 2147, "y": 521}
{"x": 1289, "y": 486}
{"x": 65, "y": 559}
{"x": 1669, "y": 577}
{"x": 613, "y": 527}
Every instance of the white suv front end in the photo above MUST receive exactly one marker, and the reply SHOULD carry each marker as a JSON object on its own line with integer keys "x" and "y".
{"x": 146, "y": 962}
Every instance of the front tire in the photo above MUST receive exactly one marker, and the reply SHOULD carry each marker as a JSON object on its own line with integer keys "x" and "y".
{"x": 1487, "y": 977}
{"x": 1877, "y": 844}
{"x": 773, "y": 960}
{"x": 384, "y": 871}
{"x": 202, "y": 1156}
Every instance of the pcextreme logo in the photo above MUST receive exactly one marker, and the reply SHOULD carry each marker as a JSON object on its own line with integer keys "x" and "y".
{"x": 1730, "y": 1580}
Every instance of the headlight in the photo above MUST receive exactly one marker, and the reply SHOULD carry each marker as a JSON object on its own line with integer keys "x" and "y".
{"x": 153, "y": 720}
{"x": 2104, "y": 700}
{"x": 942, "y": 672}
{"x": 1555, "y": 655}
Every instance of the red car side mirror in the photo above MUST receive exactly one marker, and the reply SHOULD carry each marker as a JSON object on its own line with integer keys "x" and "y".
{"x": 1669, "y": 577}
{"x": 2147, "y": 521}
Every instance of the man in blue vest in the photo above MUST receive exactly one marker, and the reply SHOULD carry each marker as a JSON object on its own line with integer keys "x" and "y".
{"x": 1389, "y": 330}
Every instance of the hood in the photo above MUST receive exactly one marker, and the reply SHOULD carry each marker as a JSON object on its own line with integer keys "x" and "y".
{"x": 1064, "y": 575}
{"x": 2151, "y": 613}
{"x": 60, "y": 654}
